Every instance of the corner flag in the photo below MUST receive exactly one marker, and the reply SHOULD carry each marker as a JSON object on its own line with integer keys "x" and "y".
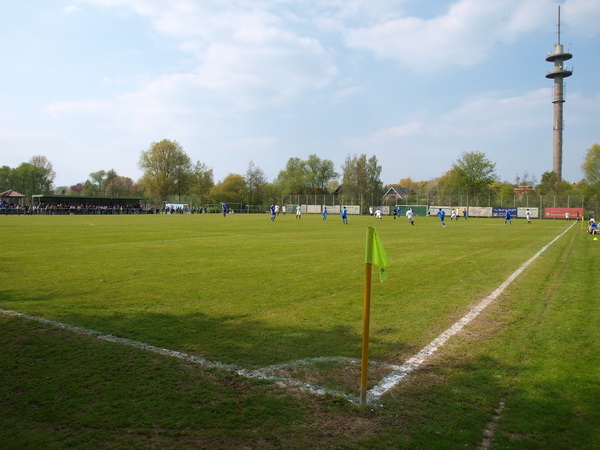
{"x": 375, "y": 253}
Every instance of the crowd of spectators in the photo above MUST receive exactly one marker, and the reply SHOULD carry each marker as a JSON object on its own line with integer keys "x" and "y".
{"x": 9, "y": 208}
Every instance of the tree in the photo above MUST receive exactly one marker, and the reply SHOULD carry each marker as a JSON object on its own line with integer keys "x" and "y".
{"x": 201, "y": 182}
{"x": 256, "y": 182}
{"x": 591, "y": 165}
{"x": 473, "y": 172}
{"x": 293, "y": 179}
{"x": 5, "y": 177}
{"x": 503, "y": 189}
{"x": 305, "y": 176}
{"x": 108, "y": 183}
{"x": 34, "y": 177}
{"x": 319, "y": 172}
{"x": 94, "y": 185}
{"x": 120, "y": 186}
{"x": 167, "y": 169}
{"x": 552, "y": 185}
{"x": 361, "y": 177}
{"x": 42, "y": 161}
{"x": 77, "y": 188}
{"x": 526, "y": 180}
{"x": 30, "y": 179}
{"x": 231, "y": 190}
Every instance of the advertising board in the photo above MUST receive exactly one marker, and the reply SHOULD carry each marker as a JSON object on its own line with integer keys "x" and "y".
{"x": 480, "y": 211}
{"x": 561, "y": 213}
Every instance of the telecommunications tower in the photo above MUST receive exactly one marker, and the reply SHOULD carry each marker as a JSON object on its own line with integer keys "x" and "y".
{"x": 558, "y": 74}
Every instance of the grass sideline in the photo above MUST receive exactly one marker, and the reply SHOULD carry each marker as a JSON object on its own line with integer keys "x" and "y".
{"x": 246, "y": 291}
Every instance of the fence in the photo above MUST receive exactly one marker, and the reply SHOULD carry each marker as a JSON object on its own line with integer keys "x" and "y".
{"x": 591, "y": 206}
{"x": 354, "y": 204}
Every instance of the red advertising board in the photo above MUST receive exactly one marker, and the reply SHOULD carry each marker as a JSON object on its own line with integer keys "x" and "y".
{"x": 561, "y": 213}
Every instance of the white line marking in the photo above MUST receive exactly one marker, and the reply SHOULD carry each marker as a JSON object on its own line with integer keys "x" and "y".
{"x": 423, "y": 355}
{"x": 248, "y": 373}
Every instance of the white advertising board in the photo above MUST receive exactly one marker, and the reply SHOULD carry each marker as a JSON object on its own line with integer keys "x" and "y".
{"x": 480, "y": 211}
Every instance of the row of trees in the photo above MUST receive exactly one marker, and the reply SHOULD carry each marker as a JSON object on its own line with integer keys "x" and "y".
{"x": 33, "y": 177}
{"x": 169, "y": 174}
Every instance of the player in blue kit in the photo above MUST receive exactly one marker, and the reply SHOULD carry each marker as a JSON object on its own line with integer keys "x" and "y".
{"x": 273, "y": 212}
{"x": 441, "y": 214}
{"x": 224, "y": 208}
{"x": 344, "y": 215}
{"x": 324, "y": 213}
{"x": 507, "y": 218}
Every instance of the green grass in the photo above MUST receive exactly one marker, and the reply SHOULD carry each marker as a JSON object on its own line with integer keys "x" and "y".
{"x": 246, "y": 291}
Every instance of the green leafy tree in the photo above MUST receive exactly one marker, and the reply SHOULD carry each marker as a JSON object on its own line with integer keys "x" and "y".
{"x": 43, "y": 162}
{"x": 33, "y": 177}
{"x": 29, "y": 179}
{"x": 474, "y": 172}
{"x": 503, "y": 189}
{"x": 552, "y": 185}
{"x": 591, "y": 165}
{"x": 167, "y": 169}
{"x": 333, "y": 186}
{"x": 232, "y": 189}
{"x": 5, "y": 177}
{"x": 305, "y": 176}
{"x": 94, "y": 185}
{"x": 319, "y": 172}
{"x": 201, "y": 182}
{"x": 362, "y": 177}
{"x": 294, "y": 178}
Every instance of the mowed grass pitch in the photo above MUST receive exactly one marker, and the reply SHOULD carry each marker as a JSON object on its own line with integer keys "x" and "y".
{"x": 246, "y": 291}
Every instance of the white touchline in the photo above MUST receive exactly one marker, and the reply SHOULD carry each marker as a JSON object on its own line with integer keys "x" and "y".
{"x": 413, "y": 363}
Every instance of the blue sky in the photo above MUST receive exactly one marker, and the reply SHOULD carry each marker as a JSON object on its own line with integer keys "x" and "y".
{"x": 91, "y": 83}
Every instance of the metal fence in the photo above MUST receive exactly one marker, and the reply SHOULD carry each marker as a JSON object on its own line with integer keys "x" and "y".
{"x": 591, "y": 207}
{"x": 515, "y": 201}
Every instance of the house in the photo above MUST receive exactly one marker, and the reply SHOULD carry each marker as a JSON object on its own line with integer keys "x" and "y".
{"x": 397, "y": 192}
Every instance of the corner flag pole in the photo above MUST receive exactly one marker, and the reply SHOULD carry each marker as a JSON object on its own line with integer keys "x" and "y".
{"x": 374, "y": 254}
{"x": 364, "y": 373}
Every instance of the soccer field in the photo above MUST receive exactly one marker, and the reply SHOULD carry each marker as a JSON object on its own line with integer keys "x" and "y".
{"x": 242, "y": 290}
{"x": 248, "y": 292}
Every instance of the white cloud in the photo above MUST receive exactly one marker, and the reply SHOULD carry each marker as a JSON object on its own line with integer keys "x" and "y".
{"x": 244, "y": 57}
{"x": 582, "y": 17}
{"x": 253, "y": 142}
{"x": 399, "y": 131}
{"x": 23, "y": 134}
{"x": 493, "y": 113}
{"x": 343, "y": 94}
{"x": 465, "y": 35}
{"x": 60, "y": 109}
{"x": 71, "y": 9}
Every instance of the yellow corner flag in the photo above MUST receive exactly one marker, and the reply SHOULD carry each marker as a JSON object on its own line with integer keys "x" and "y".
{"x": 375, "y": 253}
